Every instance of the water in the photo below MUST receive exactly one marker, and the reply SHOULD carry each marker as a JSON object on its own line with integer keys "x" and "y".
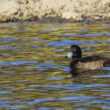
{"x": 35, "y": 75}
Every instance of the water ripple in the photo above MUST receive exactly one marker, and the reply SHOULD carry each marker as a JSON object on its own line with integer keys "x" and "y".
{"x": 101, "y": 76}
{"x": 106, "y": 101}
{"x": 76, "y": 86}
{"x": 46, "y": 66}
{"x": 35, "y": 46}
{"x": 83, "y": 35}
{"x": 33, "y": 39}
{"x": 47, "y": 31}
{"x": 82, "y": 31}
{"x": 5, "y": 40}
{"x": 67, "y": 42}
{"x": 5, "y": 92}
{"x": 9, "y": 47}
{"x": 21, "y": 30}
{"x": 75, "y": 98}
{"x": 17, "y": 63}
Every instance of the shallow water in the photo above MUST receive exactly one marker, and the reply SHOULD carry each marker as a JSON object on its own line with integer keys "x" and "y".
{"x": 35, "y": 75}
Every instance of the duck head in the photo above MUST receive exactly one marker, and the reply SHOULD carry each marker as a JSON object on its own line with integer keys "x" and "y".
{"x": 74, "y": 52}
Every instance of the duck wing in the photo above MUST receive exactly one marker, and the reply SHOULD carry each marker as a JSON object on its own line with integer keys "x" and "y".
{"x": 93, "y": 59}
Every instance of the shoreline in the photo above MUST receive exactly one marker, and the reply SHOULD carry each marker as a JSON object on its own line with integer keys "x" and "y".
{"x": 54, "y": 10}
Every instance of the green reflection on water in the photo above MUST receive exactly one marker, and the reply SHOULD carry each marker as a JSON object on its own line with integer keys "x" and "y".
{"x": 27, "y": 84}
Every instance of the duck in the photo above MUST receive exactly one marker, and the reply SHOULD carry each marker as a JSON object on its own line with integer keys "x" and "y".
{"x": 89, "y": 63}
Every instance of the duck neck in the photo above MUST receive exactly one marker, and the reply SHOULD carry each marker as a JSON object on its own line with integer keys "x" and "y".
{"x": 75, "y": 59}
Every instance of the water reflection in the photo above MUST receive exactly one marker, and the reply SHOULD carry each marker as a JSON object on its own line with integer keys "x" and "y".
{"x": 35, "y": 75}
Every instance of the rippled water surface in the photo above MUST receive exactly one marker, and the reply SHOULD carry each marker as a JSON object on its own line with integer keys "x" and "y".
{"x": 35, "y": 75}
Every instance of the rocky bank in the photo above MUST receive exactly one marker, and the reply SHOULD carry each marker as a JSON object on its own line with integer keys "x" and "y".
{"x": 71, "y": 10}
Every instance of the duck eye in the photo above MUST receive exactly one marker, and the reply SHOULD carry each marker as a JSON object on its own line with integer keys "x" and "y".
{"x": 74, "y": 49}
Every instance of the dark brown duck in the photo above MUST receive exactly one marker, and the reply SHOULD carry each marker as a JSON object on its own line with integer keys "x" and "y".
{"x": 79, "y": 64}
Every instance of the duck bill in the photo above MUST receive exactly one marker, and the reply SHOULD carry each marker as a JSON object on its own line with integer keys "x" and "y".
{"x": 69, "y": 54}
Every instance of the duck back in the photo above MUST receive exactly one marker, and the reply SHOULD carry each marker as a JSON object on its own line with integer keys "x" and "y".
{"x": 87, "y": 64}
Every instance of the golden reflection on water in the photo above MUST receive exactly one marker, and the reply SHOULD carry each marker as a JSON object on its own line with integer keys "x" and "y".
{"x": 34, "y": 73}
